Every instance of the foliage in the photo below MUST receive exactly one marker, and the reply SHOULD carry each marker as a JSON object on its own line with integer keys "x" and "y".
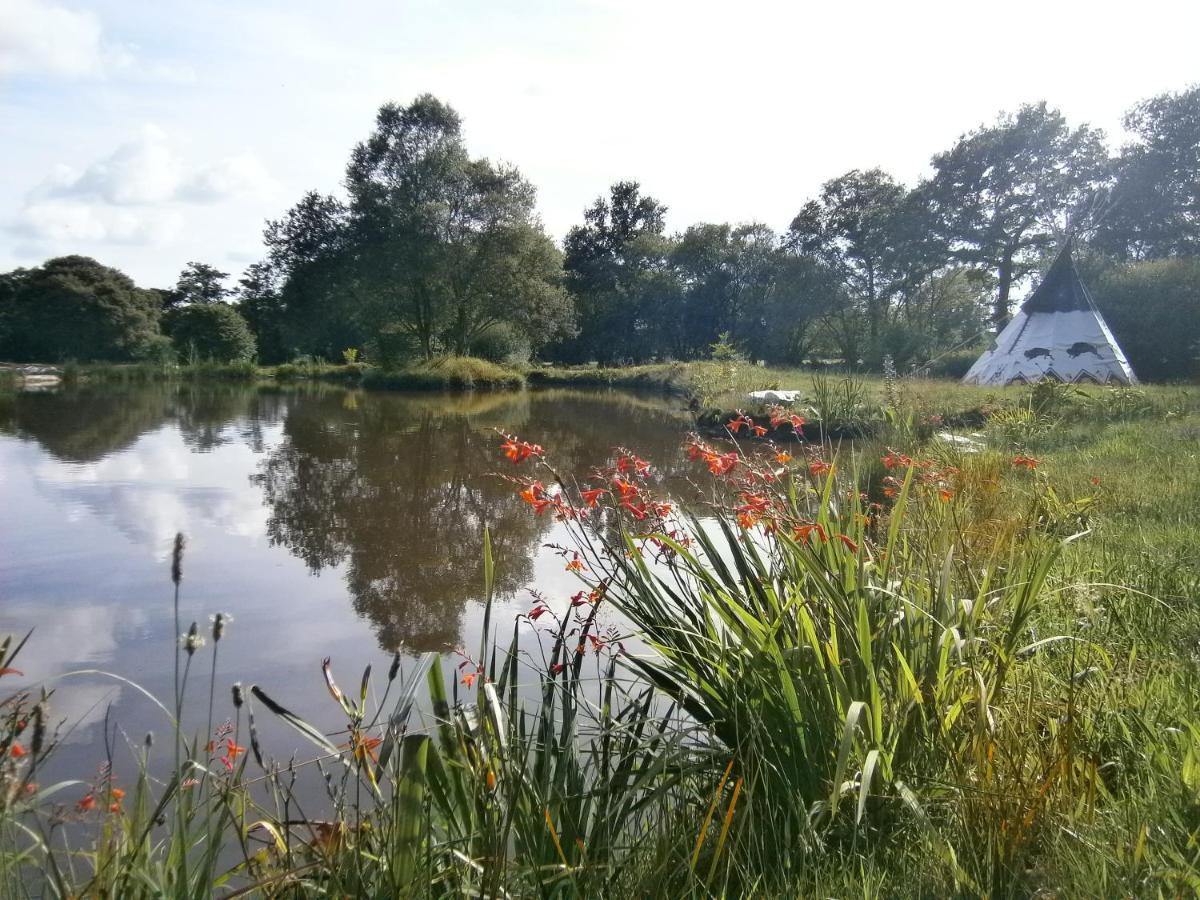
{"x": 198, "y": 283}
{"x": 72, "y": 307}
{"x": 1003, "y": 191}
{"x": 1153, "y": 309}
{"x": 1156, "y": 191}
{"x": 209, "y": 331}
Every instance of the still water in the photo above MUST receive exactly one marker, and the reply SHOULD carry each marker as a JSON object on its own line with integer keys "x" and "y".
{"x": 328, "y": 522}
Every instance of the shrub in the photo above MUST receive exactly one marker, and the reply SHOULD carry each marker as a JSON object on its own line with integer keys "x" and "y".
{"x": 73, "y": 307}
{"x": 209, "y": 331}
{"x": 393, "y": 347}
{"x": 502, "y": 344}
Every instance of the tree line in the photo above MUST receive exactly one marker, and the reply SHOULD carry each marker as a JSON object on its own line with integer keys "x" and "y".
{"x": 432, "y": 251}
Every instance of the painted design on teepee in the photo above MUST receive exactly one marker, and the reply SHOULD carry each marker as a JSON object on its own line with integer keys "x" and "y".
{"x": 1057, "y": 334}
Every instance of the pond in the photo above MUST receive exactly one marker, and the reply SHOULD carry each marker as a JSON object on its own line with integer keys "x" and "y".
{"x": 328, "y": 522}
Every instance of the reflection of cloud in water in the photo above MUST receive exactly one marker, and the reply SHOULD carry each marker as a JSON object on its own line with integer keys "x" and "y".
{"x": 158, "y": 487}
{"x": 81, "y": 636}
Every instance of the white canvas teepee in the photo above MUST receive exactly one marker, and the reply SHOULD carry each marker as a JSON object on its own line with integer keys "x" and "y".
{"x": 1057, "y": 334}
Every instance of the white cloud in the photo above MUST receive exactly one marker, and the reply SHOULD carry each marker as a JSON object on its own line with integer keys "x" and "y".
{"x": 134, "y": 194}
{"x": 39, "y": 37}
{"x": 61, "y": 220}
{"x": 235, "y": 176}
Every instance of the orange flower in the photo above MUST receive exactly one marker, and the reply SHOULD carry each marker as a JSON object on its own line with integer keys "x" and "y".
{"x": 87, "y": 804}
{"x": 1095, "y": 480}
{"x": 783, "y": 457}
{"x": 233, "y": 749}
{"x": 1028, "y": 462}
{"x": 721, "y": 464}
{"x": 535, "y": 496}
{"x": 469, "y": 678}
{"x": 945, "y": 494}
{"x": 897, "y": 460}
{"x": 818, "y": 467}
{"x": 519, "y": 451}
{"x": 850, "y": 545}
{"x": 592, "y": 497}
{"x": 746, "y": 519}
{"x": 118, "y": 794}
{"x": 889, "y": 492}
{"x": 625, "y": 488}
{"x": 17, "y": 751}
{"x": 758, "y": 430}
{"x": 575, "y": 565}
{"x": 632, "y": 464}
{"x": 804, "y": 533}
{"x": 114, "y": 807}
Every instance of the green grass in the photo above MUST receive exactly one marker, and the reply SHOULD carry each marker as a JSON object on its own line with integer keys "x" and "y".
{"x": 984, "y": 685}
{"x": 446, "y": 372}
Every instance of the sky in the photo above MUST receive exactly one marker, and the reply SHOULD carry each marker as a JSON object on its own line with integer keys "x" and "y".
{"x": 150, "y": 134}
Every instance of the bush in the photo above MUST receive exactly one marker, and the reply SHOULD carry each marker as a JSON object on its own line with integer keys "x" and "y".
{"x": 214, "y": 331}
{"x": 73, "y": 307}
{"x": 1153, "y": 309}
{"x": 501, "y": 344}
{"x": 459, "y": 372}
{"x": 393, "y": 347}
{"x": 951, "y": 365}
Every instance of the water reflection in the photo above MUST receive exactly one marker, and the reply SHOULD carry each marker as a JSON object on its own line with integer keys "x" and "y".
{"x": 387, "y": 494}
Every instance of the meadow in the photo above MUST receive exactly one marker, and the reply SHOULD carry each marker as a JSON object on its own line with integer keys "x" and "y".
{"x": 892, "y": 666}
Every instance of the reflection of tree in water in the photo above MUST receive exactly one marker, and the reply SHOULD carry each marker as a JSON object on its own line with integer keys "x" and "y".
{"x": 90, "y": 422}
{"x": 399, "y": 489}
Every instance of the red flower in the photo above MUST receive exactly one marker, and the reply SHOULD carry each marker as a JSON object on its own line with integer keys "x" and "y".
{"x": 1026, "y": 461}
{"x": 758, "y": 430}
{"x": 535, "y": 496}
{"x": 625, "y": 488}
{"x": 850, "y": 545}
{"x": 556, "y": 668}
{"x": 1095, "y": 480}
{"x": 721, "y": 464}
{"x": 639, "y": 511}
{"x": 519, "y": 451}
{"x": 797, "y": 423}
{"x": 818, "y": 467}
{"x": 17, "y": 751}
{"x": 537, "y": 612}
{"x": 897, "y": 460}
{"x": 87, "y": 804}
{"x": 632, "y": 464}
{"x": 114, "y": 807}
{"x": 579, "y": 599}
{"x": 804, "y": 533}
{"x": 592, "y": 497}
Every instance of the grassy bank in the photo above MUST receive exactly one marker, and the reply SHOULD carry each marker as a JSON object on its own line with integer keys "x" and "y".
{"x": 908, "y": 668}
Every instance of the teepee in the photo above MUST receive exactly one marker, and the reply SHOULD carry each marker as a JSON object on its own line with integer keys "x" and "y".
{"x": 1058, "y": 334}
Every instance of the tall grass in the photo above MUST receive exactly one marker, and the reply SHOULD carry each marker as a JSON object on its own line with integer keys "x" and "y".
{"x": 888, "y": 672}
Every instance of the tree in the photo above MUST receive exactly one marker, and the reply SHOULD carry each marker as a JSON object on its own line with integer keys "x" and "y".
{"x": 259, "y": 303}
{"x": 726, "y": 272}
{"x": 1155, "y": 209}
{"x": 610, "y": 261}
{"x": 199, "y": 283}
{"x": 782, "y": 325}
{"x": 72, "y": 307}
{"x": 1153, "y": 309}
{"x": 445, "y": 246}
{"x": 213, "y": 331}
{"x": 1001, "y": 194}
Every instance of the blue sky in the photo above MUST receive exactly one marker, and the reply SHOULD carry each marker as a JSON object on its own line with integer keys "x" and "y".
{"x": 150, "y": 134}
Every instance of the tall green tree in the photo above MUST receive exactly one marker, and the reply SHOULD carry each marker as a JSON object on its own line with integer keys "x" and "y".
{"x": 1155, "y": 210}
{"x": 1003, "y": 192}
{"x": 209, "y": 331}
{"x": 613, "y": 262}
{"x": 199, "y": 283}
{"x": 446, "y": 246}
{"x": 259, "y": 303}
{"x": 72, "y": 307}
{"x": 856, "y": 229}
